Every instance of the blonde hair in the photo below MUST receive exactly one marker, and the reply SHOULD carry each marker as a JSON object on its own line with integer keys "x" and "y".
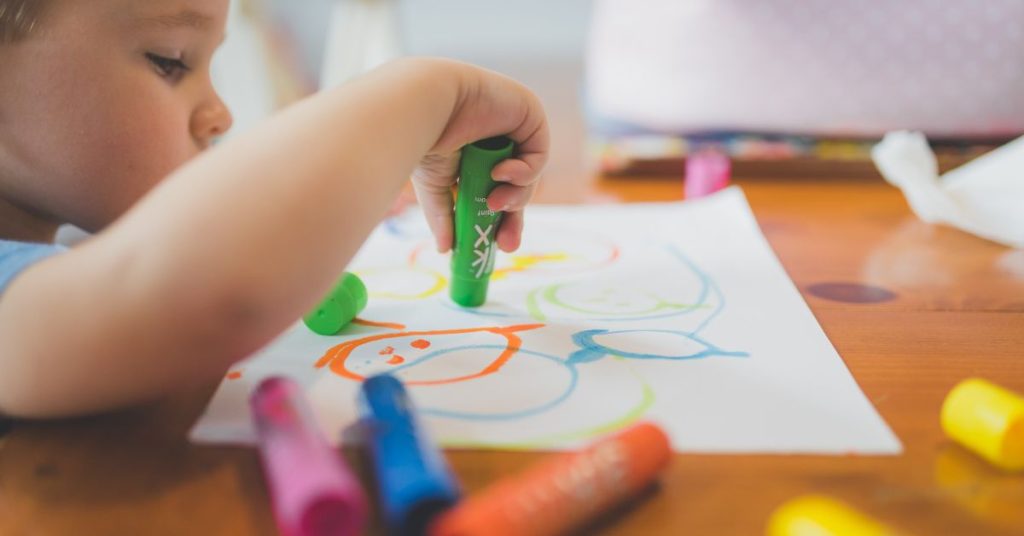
{"x": 18, "y": 18}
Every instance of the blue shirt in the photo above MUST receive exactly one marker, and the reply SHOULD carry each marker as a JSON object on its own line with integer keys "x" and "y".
{"x": 16, "y": 256}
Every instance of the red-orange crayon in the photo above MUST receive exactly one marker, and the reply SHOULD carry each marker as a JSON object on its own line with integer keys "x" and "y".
{"x": 564, "y": 491}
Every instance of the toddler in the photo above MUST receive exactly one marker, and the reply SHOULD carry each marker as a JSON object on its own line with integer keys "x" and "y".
{"x": 201, "y": 254}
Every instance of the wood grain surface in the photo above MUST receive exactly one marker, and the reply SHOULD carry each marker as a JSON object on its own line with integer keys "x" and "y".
{"x": 911, "y": 308}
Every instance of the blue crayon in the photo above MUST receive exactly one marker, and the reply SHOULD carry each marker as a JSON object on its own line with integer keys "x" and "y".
{"x": 414, "y": 482}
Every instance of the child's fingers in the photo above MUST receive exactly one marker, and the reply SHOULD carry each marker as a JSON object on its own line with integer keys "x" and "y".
{"x": 533, "y": 140}
{"x": 515, "y": 171}
{"x": 436, "y": 201}
{"x": 520, "y": 176}
{"x": 510, "y": 232}
{"x": 509, "y": 198}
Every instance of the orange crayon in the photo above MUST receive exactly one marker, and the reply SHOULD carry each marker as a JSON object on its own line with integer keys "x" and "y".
{"x": 564, "y": 491}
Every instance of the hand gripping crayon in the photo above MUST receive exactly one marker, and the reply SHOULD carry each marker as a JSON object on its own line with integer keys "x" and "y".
{"x": 564, "y": 491}
{"x": 475, "y": 224}
{"x": 346, "y": 300}
{"x": 312, "y": 490}
{"x": 414, "y": 482}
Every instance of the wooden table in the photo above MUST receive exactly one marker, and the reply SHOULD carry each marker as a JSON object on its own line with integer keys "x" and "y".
{"x": 957, "y": 311}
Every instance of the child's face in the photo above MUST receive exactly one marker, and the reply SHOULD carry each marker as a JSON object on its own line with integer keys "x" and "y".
{"x": 104, "y": 101}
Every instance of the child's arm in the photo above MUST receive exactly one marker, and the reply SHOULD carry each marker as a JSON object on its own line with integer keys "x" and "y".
{"x": 237, "y": 244}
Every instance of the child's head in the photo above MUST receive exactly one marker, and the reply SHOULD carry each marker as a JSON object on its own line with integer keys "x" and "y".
{"x": 99, "y": 100}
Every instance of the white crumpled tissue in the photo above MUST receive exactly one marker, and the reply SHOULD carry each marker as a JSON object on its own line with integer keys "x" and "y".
{"x": 984, "y": 197}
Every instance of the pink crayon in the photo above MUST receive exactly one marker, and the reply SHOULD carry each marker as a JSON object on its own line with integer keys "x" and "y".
{"x": 707, "y": 172}
{"x": 312, "y": 490}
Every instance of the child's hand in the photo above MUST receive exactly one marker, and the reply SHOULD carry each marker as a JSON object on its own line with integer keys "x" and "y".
{"x": 489, "y": 105}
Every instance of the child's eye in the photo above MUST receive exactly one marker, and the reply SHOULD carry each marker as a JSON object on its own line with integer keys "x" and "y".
{"x": 169, "y": 68}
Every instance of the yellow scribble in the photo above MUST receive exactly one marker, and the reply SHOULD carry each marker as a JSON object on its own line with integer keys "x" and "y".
{"x": 522, "y": 263}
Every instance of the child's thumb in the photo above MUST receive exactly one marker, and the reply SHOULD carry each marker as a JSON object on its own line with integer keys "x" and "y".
{"x": 433, "y": 181}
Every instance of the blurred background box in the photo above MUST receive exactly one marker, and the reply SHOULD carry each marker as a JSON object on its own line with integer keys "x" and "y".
{"x": 801, "y": 80}
{"x": 784, "y": 86}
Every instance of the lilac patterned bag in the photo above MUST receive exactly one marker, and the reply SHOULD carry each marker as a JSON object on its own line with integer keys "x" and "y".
{"x": 817, "y": 67}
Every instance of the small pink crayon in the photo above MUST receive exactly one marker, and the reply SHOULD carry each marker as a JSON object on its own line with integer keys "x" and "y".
{"x": 312, "y": 490}
{"x": 707, "y": 171}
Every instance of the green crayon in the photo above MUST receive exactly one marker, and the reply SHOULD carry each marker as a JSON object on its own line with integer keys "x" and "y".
{"x": 346, "y": 300}
{"x": 475, "y": 224}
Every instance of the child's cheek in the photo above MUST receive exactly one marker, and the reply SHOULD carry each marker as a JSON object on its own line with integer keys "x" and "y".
{"x": 154, "y": 142}
{"x": 140, "y": 149}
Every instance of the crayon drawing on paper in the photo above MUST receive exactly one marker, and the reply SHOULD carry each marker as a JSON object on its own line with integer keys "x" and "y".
{"x": 676, "y": 313}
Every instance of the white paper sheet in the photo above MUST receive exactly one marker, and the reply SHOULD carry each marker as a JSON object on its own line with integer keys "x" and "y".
{"x": 677, "y": 313}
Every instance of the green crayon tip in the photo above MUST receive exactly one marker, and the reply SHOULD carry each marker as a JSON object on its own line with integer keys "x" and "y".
{"x": 475, "y": 224}
{"x": 346, "y": 300}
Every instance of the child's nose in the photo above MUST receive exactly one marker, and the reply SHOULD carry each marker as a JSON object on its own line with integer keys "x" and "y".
{"x": 210, "y": 121}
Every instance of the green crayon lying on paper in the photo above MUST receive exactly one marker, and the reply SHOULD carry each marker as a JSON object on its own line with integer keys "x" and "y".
{"x": 475, "y": 224}
{"x": 346, "y": 300}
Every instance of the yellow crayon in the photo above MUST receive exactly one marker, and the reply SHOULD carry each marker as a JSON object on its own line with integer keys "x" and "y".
{"x": 988, "y": 420}
{"x": 818, "y": 515}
